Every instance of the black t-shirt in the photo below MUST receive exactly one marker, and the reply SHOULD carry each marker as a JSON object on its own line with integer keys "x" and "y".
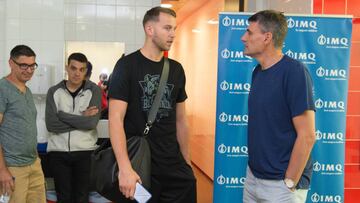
{"x": 135, "y": 80}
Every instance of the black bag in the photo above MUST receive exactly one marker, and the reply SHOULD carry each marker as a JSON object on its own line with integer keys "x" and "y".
{"x": 103, "y": 161}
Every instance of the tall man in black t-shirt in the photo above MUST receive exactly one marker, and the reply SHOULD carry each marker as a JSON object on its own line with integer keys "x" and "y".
{"x": 132, "y": 90}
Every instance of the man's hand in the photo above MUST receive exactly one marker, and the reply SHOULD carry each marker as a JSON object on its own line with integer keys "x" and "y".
{"x": 90, "y": 111}
{"x": 127, "y": 182}
{"x": 6, "y": 182}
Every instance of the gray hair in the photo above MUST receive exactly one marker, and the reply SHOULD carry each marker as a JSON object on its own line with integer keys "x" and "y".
{"x": 274, "y": 22}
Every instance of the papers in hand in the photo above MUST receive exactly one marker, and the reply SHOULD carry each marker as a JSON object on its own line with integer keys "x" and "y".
{"x": 141, "y": 194}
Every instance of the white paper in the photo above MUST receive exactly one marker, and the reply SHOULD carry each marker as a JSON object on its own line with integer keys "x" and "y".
{"x": 141, "y": 194}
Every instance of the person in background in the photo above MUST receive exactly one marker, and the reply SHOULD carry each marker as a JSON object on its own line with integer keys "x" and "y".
{"x": 132, "y": 90}
{"x": 105, "y": 113}
{"x": 72, "y": 113}
{"x": 21, "y": 175}
{"x": 89, "y": 68}
{"x": 103, "y": 86}
{"x": 281, "y": 125}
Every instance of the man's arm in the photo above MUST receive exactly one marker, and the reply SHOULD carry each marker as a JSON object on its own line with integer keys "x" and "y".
{"x": 127, "y": 176}
{"x": 90, "y": 117}
{"x": 6, "y": 180}
{"x": 305, "y": 128}
{"x": 182, "y": 131}
{"x": 82, "y": 122}
{"x": 53, "y": 123}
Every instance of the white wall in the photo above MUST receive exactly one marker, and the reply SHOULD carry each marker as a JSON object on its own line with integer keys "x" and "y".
{"x": 38, "y": 24}
{"x": 107, "y": 21}
{"x": 2, "y": 38}
{"x": 45, "y": 25}
{"x": 102, "y": 63}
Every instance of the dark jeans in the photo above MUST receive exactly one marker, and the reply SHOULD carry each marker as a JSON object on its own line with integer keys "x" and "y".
{"x": 176, "y": 186}
{"x": 71, "y": 172}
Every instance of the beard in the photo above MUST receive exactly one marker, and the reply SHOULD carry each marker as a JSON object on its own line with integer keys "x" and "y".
{"x": 161, "y": 44}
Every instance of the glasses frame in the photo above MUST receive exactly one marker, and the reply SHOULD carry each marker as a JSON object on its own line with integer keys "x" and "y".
{"x": 24, "y": 66}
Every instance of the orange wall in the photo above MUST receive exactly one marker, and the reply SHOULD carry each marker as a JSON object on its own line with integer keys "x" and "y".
{"x": 197, "y": 52}
{"x": 352, "y": 152}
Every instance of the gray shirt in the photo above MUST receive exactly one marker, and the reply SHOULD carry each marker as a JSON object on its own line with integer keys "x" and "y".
{"x": 18, "y": 132}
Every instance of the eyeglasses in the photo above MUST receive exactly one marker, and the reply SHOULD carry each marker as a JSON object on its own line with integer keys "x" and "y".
{"x": 24, "y": 66}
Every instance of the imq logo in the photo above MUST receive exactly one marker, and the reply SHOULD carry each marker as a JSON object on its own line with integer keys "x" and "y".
{"x": 235, "y": 56}
{"x": 235, "y": 88}
{"x": 236, "y": 120}
{"x": 235, "y": 23}
{"x": 307, "y": 58}
{"x": 330, "y": 106}
{"x": 302, "y": 25}
{"x": 328, "y": 168}
{"x": 330, "y": 137}
{"x": 333, "y": 42}
{"x": 231, "y": 182}
{"x": 233, "y": 151}
{"x": 326, "y": 198}
{"x": 331, "y": 74}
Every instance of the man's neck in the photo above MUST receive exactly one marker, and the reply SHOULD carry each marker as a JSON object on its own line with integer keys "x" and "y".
{"x": 72, "y": 87}
{"x": 152, "y": 52}
{"x": 268, "y": 59}
{"x": 18, "y": 84}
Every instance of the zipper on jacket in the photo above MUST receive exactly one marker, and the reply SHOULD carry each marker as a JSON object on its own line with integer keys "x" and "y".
{"x": 73, "y": 109}
{"x": 69, "y": 132}
{"x": 69, "y": 142}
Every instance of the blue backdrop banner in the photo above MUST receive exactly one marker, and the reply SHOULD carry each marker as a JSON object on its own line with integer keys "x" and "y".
{"x": 322, "y": 43}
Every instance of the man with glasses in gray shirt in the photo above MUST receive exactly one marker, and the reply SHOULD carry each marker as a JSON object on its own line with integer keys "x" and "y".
{"x": 21, "y": 176}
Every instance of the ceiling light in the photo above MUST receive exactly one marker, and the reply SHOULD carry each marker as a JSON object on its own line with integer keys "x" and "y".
{"x": 195, "y": 30}
{"x": 213, "y": 22}
{"x": 166, "y": 5}
{"x": 105, "y": 70}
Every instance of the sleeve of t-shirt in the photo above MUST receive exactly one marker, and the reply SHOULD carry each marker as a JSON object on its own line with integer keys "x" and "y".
{"x": 299, "y": 90}
{"x": 182, "y": 96}
{"x": 120, "y": 82}
{"x": 2, "y": 102}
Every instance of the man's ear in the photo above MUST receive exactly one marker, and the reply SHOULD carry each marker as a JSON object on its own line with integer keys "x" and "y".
{"x": 268, "y": 38}
{"x": 67, "y": 68}
{"x": 11, "y": 63}
{"x": 149, "y": 29}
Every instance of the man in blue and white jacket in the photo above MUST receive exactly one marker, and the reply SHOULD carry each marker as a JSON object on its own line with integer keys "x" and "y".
{"x": 72, "y": 113}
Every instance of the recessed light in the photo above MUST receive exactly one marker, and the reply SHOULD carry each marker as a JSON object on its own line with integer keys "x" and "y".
{"x": 166, "y": 5}
{"x": 195, "y": 30}
{"x": 213, "y": 22}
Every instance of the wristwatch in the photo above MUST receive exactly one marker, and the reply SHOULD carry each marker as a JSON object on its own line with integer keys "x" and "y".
{"x": 289, "y": 183}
